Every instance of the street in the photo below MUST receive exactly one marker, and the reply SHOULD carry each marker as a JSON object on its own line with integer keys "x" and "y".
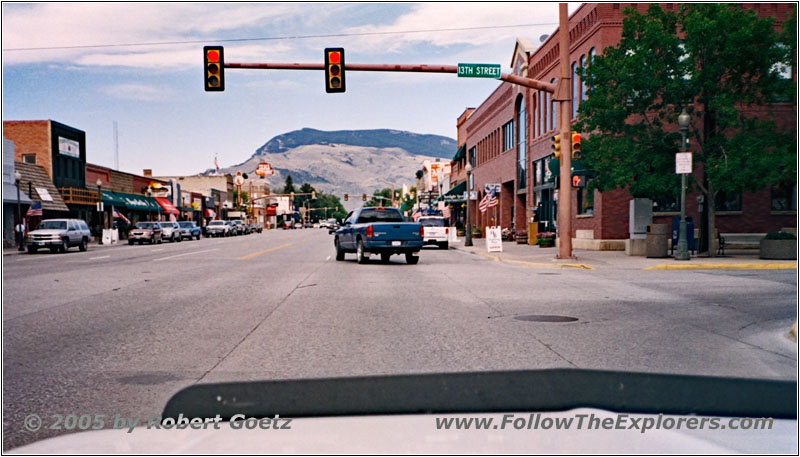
{"x": 119, "y": 330}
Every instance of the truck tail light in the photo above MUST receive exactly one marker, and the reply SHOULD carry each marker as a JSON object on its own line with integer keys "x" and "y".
{"x": 369, "y": 231}
{"x": 446, "y": 231}
{"x": 421, "y": 231}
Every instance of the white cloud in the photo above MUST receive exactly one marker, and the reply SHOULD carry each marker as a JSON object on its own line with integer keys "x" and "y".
{"x": 139, "y": 92}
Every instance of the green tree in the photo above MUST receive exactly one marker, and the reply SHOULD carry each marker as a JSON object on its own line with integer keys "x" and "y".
{"x": 374, "y": 200}
{"x": 712, "y": 60}
{"x": 289, "y": 186}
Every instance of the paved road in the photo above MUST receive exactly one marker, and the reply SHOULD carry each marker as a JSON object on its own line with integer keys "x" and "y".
{"x": 118, "y": 330}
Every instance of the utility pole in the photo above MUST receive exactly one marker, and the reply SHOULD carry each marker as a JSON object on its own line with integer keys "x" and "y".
{"x": 563, "y": 95}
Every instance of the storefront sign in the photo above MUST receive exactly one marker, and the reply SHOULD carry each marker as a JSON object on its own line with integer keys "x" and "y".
{"x": 494, "y": 239}
{"x": 69, "y": 147}
{"x": 264, "y": 169}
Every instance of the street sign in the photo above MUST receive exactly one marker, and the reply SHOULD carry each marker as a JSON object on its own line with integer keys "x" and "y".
{"x": 489, "y": 187}
{"x": 264, "y": 169}
{"x": 478, "y": 70}
{"x": 683, "y": 163}
{"x": 473, "y": 195}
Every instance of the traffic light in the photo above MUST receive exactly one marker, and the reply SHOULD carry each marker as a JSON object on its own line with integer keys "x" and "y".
{"x": 556, "y": 146}
{"x": 345, "y": 197}
{"x": 578, "y": 181}
{"x": 214, "y": 68}
{"x": 576, "y": 146}
{"x": 364, "y": 197}
{"x": 334, "y": 70}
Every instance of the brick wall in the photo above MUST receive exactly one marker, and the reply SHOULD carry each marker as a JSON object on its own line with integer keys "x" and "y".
{"x": 31, "y": 137}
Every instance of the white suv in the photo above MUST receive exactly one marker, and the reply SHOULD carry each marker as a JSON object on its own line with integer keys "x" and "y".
{"x": 59, "y": 235}
{"x": 171, "y": 231}
{"x": 436, "y": 231}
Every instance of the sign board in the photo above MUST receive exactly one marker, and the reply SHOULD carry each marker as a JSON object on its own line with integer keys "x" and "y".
{"x": 238, "y": 180}
{"x": 683, "y": 163}
{"x": 44, "y": 194}
{"x": 437, "y": 167}
{"x": 494, "y": 239}
{"x": 69, "y": 147}
{"x": 473, "y": 195}
{"x": 478, "y": 70}
{"x": 264, "y": 169}
{"x": 496, "y": 187}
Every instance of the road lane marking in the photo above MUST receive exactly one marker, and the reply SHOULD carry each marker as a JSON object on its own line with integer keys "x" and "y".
{"x": 156, "y": 250}
{"x": 101, "y": 257}
{"x": 256, "y": 254}
{"x": 188, "y": 253}
{"x": 328, "y": 258}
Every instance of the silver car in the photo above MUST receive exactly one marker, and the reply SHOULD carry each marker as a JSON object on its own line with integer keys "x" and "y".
{"x": 171, "y": 231}
{"x": 59, "y": 235}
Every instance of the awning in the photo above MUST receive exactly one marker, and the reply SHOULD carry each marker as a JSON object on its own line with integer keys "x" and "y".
{"x": 139, "y": 202}
{"x": 461, "y": 153}
{"x": 112, "y": 199}
{"x": 169, "y": 208}
{"x": 458, "y": 190}
{"x": 10, "y": 194}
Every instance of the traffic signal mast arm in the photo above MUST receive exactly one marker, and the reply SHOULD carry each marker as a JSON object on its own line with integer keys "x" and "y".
{"x": 295, "y": 194}
{"x": 514, "y": 79}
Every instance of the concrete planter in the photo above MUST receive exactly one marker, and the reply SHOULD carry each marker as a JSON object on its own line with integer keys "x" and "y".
{"x": 778, "y": 249}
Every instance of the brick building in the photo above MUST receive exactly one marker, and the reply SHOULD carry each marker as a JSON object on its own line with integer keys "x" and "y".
{"x": 508, "y": 140}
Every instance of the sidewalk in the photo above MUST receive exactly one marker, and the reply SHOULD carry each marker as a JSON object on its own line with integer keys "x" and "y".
{"x": 92, "y": 244}
{"x": 536, "y": 257}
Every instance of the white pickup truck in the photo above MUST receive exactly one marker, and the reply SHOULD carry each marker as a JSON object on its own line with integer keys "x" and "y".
{"x": 436, "y": 231}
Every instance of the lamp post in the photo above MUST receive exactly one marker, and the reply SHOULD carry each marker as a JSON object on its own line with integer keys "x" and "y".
{"x": 21, "y": 234}
{"x": 468, "y": 241}
{"x": 683, "y": 245}
{"x": 149, "y": 194}
{"x": 99, "y": 206}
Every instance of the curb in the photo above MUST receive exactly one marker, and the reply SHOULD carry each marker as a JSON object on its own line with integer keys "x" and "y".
{"x": 725, "y": 266}
{"x": 496, "y": 258}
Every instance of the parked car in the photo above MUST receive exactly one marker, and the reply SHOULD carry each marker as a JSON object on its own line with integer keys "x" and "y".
{"x": 256, "y": 228}
{"x": 316, "y": 225}
{"x": 436, "y": 231}
{"x": 237, "y": 227}
{"x": 59, "y": 235}
{"x": 171, "y": 231}
{"x": 189, "y": 230}
{"x": 219, "y": 228}
{"x": 146, "y": 231}
{"x": 298, "y": 225}
{"x": 379, "y": 230}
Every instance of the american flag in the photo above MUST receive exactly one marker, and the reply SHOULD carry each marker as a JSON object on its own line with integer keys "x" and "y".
{"x": 35, "y": 210}
{"x": 446, "y": 212}
{"x": 216, "y": 165}
{"x": 118, "y": 215}
{"x": 488, "y": 201}
{"x": 416, "y": 215}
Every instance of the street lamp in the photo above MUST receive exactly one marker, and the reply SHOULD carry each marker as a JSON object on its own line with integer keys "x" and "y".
{"x": 99, "y": 205}
{"x": 683, "y": 245}
{"x": 17, "y": 178}
{"x": 468, "y": 241}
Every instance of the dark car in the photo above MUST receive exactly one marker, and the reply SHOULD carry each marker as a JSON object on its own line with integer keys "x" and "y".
{"x": 189, "y": 230}
{"x": 146, "y": 231}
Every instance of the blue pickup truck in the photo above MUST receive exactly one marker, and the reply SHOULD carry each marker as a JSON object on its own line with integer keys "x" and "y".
{"x": 378, "y": 230}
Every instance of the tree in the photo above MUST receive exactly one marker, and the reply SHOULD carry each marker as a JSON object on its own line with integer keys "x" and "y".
{"x": 375, "y": 200}
{"x": 289, "y": 186}
{"x": 711, "y": 59}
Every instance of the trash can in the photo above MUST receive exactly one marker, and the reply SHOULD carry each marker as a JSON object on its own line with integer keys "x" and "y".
{"x": 657, "y": 235}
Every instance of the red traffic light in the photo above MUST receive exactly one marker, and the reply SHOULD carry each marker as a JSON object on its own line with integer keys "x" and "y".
{"x": 334, "y": 70}
{"x": 214, "y": 66}
{"x": 334, "y": 57}
{"x": 213, "y": 55}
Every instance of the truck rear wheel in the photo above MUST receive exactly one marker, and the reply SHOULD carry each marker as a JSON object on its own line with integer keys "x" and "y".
{"x": 361, "y": 256}
{"x": 385, "y": 257}
{"x": 412, "y": 259}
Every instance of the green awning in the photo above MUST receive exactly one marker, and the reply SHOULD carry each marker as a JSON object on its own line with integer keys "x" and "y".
{"x": 139, "y": 202}
{"x": 458, "y": 190}
{"x": 461, "y": 153}
{"x": 112, "y": 199}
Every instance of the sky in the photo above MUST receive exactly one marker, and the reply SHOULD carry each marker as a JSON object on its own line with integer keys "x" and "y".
{"x": 88, "y": 65}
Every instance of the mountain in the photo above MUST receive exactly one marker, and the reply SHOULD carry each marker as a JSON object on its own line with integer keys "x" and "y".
{"x": 349, "y": 161}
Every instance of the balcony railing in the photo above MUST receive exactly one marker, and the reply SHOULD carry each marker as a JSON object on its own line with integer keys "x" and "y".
{"x": 74, "y": 196}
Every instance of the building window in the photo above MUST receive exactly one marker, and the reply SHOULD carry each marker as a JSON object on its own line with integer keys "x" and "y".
{"x": 574, "y": 89}
{"x": 728, "y": 201}
{"x": 541, "y": 113}
{"x": 472, "y": 156}
{"x": 586, "y": 199}
{"x": 784, "y": 197}
{"x": 29, "y": 158}
{"x": 522, "y": 137}
{"x": 668, "y": 204}
{"x": 535, "y": 113}
{"x": 508, "y": 135}
{"x": 583, "y": 83}
{"x": 552, "y": 108}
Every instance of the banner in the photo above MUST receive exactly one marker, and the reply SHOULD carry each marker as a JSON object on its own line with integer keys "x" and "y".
{"x": 494, "y": 239}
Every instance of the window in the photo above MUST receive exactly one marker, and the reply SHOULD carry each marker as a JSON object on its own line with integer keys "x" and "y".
{"x": 728, "y": 201}
{"x": 586, "y": 199}
{"x": 668, "y": 204}
{"x": 552, "y": 109}
{"x": 508, "y": 135}
{"x": 536, "y": 132}
{"x": 522, "y": 137}
{"x": 472, "y": 153}
{"x": 29, "y": 158}
{"x": 583, "y": 83}
{"x": 574, "y": 89}
{"x": 784, "y": 197}
{"x": 541, "y": 113}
